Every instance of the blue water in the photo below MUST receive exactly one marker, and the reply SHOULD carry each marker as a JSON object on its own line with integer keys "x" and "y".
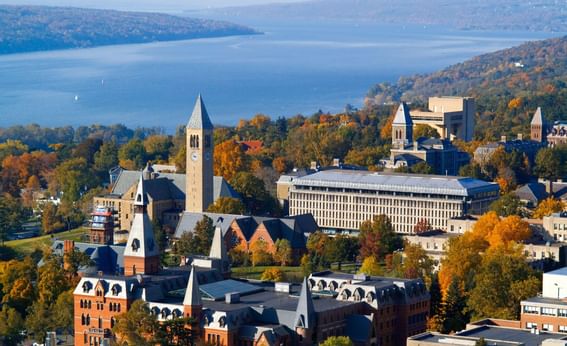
{"x": 293, "y": 68}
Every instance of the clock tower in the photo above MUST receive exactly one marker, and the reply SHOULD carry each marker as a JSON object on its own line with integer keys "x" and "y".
{"x": 199, "y": 170}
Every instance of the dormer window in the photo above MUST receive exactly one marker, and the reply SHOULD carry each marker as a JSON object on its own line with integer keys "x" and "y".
{"x": 116, "y": 288}
{"x": 222, "y": 322}
{"x": 87, "y": 286}
{"x": 139, "y": 198}
{"x": 135, "y": 245}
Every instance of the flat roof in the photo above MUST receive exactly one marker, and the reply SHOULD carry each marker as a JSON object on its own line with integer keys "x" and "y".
{"x": 396, "y": 182}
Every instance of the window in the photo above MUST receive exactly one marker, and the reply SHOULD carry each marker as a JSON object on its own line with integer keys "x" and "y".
{"x": 528, "y": 309}
{"x": 562, "y": 312}
{"x": 531, "y": 325}
{"x": 548, "y": 311}
{"x": 547, "y": 327}
{"x": 563, "y": 329}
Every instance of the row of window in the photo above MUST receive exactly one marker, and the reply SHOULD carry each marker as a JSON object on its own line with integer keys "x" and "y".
{"x": 86, "y": 321}
{"x": 86, "y": 304}
{"x": 536, "y": 310}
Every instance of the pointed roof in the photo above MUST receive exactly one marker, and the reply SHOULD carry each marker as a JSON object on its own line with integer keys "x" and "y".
{"x": 192, "y": 294}
{"x": 403, "y": 115}
{"x": 538, "y": 117}
{"x": 218, "y": 247}
{"x": 141, "y": 242}
{"x": 141, "y": 196}
{"x": 305, "y": 312}
{"x": 200, "y": 118}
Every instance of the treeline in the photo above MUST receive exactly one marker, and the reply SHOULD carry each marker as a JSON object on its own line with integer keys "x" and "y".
{"x": 35, "y": 28}
{"x": 508, "y": 86}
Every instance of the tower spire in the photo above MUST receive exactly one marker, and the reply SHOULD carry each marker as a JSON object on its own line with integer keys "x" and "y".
{"x": 402, "y": 127}
{"x": 305, "y": 312}
{"x": 192, "y": 294}
{"x": 141, "y": 255}
{"x": 200, "y": 117}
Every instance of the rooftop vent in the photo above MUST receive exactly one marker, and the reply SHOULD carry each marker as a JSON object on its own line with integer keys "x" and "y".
{"x": 283, "y": 287}
{"x": 232, "y": 298}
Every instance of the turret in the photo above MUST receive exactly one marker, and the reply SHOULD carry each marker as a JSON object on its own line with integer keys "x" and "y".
{"x": 402, "y": 127}
{"x": 538, "y": 127}
{"x": 192, "y": 304}
{"x": 141, "y": 255}
{"x": 219, "y": 254}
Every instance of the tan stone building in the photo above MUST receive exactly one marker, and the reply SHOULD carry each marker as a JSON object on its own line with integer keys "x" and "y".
{"x": 452, "y": 117}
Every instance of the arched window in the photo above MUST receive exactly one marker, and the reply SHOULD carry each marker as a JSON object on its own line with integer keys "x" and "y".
{"x": 110, "y": 307}
{"x": 118, "y": 307}
{"x": 83, "y": 319}
{"x": 89, "y": 304}
{"x": 100, "y": 322}
{"x": 112, "y": 322}
{"x": 81, "y": 303}
{"x": 88, "y": 321}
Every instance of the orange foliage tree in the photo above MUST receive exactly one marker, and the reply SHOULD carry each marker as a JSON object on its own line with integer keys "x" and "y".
{"x": 229, "y": 159}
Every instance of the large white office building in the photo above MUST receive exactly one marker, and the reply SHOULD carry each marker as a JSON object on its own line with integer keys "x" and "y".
{"x": 340, "y": 200}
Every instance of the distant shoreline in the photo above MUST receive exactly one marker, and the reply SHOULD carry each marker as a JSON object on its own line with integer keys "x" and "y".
{"x": 27, "y": 29}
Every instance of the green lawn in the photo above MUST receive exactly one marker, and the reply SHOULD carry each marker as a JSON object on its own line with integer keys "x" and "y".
{"x": 293, "y": 274}
{"x": 27, "y": 246}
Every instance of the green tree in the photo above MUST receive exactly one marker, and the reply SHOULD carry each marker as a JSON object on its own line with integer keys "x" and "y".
{"x": 72, "y": 177}
{"x": 12, "y": 214}
{"x": 11, "y": 324}
{"x": 342, "y": 248}
{"x": 435, "y": 294}
{"x": 87, "y": 149}
{"x": 13, "y": 148}
{"x": 253, "y": 191}
{"x": 417, "y": 264}
{"x": 480, "y": 342}
{"x": 105, "y": 158}
{"x": 377, "y": 238}
{"x": 39, "y": 320}
{"x": 50, "y": 219}
{"x": 283, "y": 254}
{"x": 422, "y": 168}
{"x": 227, "y": 205}
{"x": 337, "y": 341}
{"x": 52, "y": 280}
{"x": 134, "y": 326}
{"x": 548, "y": 164}
{"x": 132, "y": 155}
{"x": 197, "y": 242}
{"x": 175, "y": 333}
{"x": 453, "y": 309}
{"x": 506, "y": 205}
{"x": 492, "y": 295}
{"x": 63, "y": 312}
{"x": 424, "y": 130}
{"x": 157, "y": 147}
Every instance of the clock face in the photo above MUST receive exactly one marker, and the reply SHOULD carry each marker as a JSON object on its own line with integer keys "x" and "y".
{"x": 194, "y": 156}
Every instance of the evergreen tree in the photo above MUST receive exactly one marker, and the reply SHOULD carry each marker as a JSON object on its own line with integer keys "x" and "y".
{"x": 453, "y": 309}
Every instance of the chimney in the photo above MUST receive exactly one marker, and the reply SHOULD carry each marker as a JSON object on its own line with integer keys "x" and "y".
{"x": 336, "y": 162}
{"x": 520, "y": 136}
{"x": 314, "y": 165}
{"x": 232, "y": 298}
{"x": 503, "y": 139}
{"x": 415, "y": 145}
{"x": 68, "y": 246}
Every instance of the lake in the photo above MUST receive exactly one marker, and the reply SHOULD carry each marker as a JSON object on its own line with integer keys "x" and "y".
{"x": 297, "y": 67}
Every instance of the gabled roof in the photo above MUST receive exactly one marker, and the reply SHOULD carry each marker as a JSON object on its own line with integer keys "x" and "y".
{"x": 305, "y": 312}
{"x": 533, "y": 192}
{"x": 107, "y": 258}
{"x": 403, "y": 115}
{"x": 200, "y": 118}
{"x": 189, "y": 220}
{"x": 168, "y": 186}
{"x": 538, "y": 117}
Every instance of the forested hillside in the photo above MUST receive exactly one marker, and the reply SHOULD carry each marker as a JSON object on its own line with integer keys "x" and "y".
{"x": 508, "y": 85}
{"x": 34, "y": 28}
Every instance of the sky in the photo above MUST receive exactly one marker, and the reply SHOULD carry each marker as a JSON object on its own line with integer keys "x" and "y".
{"x": 145, "y": 5}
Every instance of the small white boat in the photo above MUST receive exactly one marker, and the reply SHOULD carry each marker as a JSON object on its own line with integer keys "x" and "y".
{"x": 76, "y": 97}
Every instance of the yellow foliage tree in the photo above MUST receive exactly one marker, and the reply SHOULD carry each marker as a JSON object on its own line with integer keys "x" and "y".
{"x": 547, "y": 207}
{"x": 273, "y": 274}
{"x": 509, "y": 229}
{"x": 370, "y": 266}
{"x": 229, "y": 159}
{"x": 515, "y": 103}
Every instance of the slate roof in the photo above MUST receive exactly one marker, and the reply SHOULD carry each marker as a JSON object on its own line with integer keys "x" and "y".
{"x": 188, "y": 221}
{"x": 359, "y": 327}
{"x": 532, "y": 192}
{"x": 200, "y": 118}
{"x": 168, "y": 186}
{"x": 396, "y": 182}
{"x": 108, "y": 258}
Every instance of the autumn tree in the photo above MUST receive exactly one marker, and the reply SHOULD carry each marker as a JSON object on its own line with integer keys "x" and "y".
{"x": 377, "y": 238}
{"x": 12, "y": 148}
{"x": 417, "y": 264}
{"x": 283, "y": 254}
{"x": 50, "y": 219}
{"x": 12, "y": 214}
{"x": 422, "y": 226}
{"x": 548, "y": 164}
{"x": 273, "y": 274}
{"x": 11, "y": 326}
{"x": 227, "y": 205}
{"x": 197, "y": 242}
{"x": 229, "y": 159}
{"x": 281, "y": 165}
{"x": 547, "y": 207}
{"x": 370, "y": 266}
{"x": 105, "y": 158}
{"x": 87, "y": 149}
{"x": 253, "y": 192}
{"x": 72, "y": 177}
{"x": 260, "y": 253}
{"x": 422, "y": 168}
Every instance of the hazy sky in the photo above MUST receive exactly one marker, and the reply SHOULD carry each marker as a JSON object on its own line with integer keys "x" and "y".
{"x": 144, "y": 5}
